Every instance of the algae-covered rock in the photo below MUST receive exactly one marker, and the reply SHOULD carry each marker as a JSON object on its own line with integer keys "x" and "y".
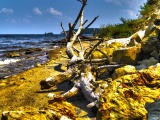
{"x": 126, "y": 96}
{"x": 128, "y": 55}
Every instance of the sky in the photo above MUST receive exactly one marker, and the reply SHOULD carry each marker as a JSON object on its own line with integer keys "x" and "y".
{"x": 40, "y": 16}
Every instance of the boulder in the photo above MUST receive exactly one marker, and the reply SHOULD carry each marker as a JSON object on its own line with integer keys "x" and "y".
{"x": 125, "y": 97}
{"x": 128, "y": 55}
{"x": 138, "y": 36}
{"x": 149, "y": 45}
{"x": 149, "y": 29}
{"x": 107, "y": 51}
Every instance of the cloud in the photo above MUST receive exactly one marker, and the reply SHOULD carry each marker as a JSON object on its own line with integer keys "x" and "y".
{"x": 54, "y": 12}
{"x": 118, "y": 2}
{"x": 132, "y": 14}
{"x": 136, "y": 3}
{"x": 6, "y": 11}
{"x": 37, "y": 11}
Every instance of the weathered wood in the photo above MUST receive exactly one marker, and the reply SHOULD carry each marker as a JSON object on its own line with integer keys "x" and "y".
{"x": 80, "y": 65}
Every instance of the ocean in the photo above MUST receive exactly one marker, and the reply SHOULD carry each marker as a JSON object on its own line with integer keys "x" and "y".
{"x": 19, "y": 52}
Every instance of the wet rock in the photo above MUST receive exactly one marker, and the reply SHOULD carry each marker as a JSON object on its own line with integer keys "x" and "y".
{"x": 126, "y": 96}
{"x": 31, "y": 50}
{"x": 12, "y": 55}
{"x": 128, "y": 55}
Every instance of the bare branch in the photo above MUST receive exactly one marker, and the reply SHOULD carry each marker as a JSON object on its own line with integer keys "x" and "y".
{"x": 111, "y": 66}
{"x": 78, "y": 17}
{"x": 88, "y": 25}
{"x": 64, "y": 30}
{"x": 79, "y": 40}
{"x": 75, "y": 49}
{"x": 96, "y": 60}
{"x": 84, "y": 22}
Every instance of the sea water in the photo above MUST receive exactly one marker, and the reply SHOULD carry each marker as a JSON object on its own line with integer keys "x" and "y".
{"x": 14, "y": 42}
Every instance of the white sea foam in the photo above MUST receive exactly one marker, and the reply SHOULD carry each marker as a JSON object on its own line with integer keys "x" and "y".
{"x": 8, "y": 61}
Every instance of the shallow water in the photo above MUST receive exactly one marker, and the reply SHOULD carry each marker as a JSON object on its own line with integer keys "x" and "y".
{"x": 19, "y": 44}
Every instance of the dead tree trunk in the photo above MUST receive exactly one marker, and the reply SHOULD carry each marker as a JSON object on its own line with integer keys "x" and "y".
{"x": 80, "y": 64}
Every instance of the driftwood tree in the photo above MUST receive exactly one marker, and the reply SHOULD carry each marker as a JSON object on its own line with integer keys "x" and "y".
{"x": 81, "y": 67}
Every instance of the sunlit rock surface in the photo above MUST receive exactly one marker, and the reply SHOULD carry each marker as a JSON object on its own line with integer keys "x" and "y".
{"x": 57, "y": 109}
{"x": 126, "y": 96}
{"x": 128, "y": 55}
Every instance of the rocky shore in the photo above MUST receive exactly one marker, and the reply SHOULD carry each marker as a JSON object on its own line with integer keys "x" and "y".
{"x": 129, "y": 92}
{"x": 130, "y": 88}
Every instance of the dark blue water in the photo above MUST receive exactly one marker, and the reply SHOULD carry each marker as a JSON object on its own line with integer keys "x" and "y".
{"x": 10, "y": 43}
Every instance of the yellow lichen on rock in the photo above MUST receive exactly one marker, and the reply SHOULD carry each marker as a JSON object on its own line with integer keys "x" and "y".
{"x": 126, "y": 96}
{"x": 128, "y": 69}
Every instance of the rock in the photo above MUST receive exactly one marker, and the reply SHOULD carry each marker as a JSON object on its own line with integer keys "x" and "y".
{"x": 116, "y": 45}
{"x": 153, "y": 110}
{"x": 149, "y": 45}
{"x": 149, "y": 29}
{"x": 138, "y": 36}
{"x": 38, "y": 65}
{"x": 151, "y": 61}
{"x": 128, "y": 55}
{"x": 14, "y": 54}
{"x": 107, "y": 51}
{"x": 157, "y": 18}
{"x": 58, "y": 109}
{"x": 146, "y": 63}
{"x": 31, "y": 50}
{"x": 128, "y": 69}
{"x": 3, "y": 84}
{"x": 142, "y": 66}
{"x": 125, "y": 97}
